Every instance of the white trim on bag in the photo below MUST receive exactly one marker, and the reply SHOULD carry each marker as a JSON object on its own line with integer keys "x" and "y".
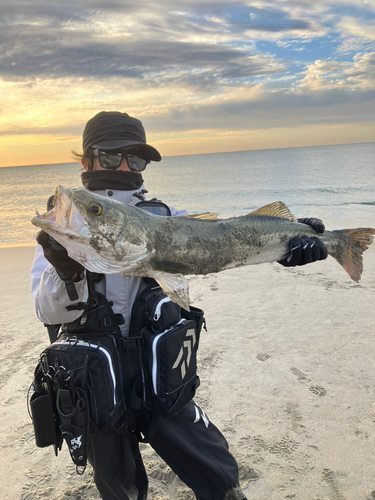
{"x": 159, "y": 305}
{"x": 154, "y": 370}
{"x": 107, "y": 355}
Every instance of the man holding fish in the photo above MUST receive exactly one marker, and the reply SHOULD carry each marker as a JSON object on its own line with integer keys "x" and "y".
{"x": 115, "y": 153}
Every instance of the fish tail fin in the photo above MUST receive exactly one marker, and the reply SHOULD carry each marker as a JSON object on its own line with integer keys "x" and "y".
{"x": 351, "y": 256}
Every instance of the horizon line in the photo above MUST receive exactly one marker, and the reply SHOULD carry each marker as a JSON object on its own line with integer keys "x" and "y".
{"x": 212, "y": 153}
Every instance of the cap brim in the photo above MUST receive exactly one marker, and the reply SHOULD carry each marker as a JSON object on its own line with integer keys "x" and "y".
{"x": 152, "y": 153}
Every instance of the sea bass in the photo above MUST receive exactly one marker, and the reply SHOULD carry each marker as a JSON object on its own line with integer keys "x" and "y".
{"x": 109, "y": 237}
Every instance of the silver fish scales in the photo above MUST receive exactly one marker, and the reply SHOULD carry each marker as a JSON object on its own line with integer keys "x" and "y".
{"x": 110, "y": 237}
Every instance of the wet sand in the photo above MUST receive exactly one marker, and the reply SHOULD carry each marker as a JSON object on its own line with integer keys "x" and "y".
{"x": 287, "y": 374}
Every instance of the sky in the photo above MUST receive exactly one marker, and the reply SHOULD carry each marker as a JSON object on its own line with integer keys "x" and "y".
{"x": 203, "y": 76}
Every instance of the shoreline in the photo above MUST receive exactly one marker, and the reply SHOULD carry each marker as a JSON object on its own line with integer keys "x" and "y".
{"x": 212, "y": 153}
{"x": 286, "y": 369}
{"x": 17, "y": 245}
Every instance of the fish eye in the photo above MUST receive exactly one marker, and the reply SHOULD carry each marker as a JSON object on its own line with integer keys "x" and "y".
{"x": 96, "y": 209}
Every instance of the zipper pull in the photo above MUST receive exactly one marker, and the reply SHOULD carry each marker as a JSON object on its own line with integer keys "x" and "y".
{"x": 159, "y": 305}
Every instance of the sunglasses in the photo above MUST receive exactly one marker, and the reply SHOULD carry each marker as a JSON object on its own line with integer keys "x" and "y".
{"x": 113, "y": 159}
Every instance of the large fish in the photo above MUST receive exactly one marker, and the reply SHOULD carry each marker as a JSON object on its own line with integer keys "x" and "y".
{"x": 110, "y": 237}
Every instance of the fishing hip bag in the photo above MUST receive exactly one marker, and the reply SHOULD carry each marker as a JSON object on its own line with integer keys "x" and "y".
{"x": 78, "y": 385}
{"x": 78, "y": 388}
{"x": 168, "y": 378}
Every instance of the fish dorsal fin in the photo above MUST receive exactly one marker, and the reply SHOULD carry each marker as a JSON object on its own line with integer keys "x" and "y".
{"x": 276, "y": 209}
{"x": 203, "y": 216}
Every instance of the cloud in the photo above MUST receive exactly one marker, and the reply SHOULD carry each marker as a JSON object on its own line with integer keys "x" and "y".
{"x": 269, "y": 109}
{"x": 130, "y": 41}
{"x": 356, "y": 75}
{"x": 194, "y": 65}
{"x": 225, "y": 65}
{"x": 359, "y": 28}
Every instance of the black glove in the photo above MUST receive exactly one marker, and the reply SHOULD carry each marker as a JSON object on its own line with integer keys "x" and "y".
{"x": 57, "y": 255}
{"x": 316, "y": 224}
{"x": 306, "y": 250}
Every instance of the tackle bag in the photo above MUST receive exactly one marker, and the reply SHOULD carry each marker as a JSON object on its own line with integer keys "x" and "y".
{"x": 168, "y": 379}
{"x": 43, "y": 411}
{"x": 78, "y": 382}
{"x": 83, "y": 374}
{"x": 154, "y": 309}
{"x": 169, "y": 363}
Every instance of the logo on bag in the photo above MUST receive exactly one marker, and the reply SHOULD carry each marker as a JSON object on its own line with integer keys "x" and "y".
{"x": 75, "y": 443}
{"x": 184, "y": 356}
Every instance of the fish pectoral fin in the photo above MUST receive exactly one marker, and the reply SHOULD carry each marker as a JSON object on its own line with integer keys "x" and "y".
{"x": 276, "y": 209}
{"x": 204, "y": 216}
{"x": 176, "y": 287}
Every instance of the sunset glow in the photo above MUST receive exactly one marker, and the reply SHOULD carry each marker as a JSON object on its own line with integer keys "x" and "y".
{"x": 203, "y": 77}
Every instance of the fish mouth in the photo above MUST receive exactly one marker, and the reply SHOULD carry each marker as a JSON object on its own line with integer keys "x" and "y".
{"x": 63, "y": 218}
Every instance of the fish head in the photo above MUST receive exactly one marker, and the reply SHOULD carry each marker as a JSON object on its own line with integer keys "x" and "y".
{"x": 103, "y": 235}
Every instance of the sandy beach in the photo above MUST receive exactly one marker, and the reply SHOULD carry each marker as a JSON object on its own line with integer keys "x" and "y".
{"x": 287, "y": 374}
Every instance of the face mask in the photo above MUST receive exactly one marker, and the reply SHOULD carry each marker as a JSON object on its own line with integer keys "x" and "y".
{"x": 96, "y": 180}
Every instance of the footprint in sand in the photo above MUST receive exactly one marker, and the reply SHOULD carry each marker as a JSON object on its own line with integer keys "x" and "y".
{"x": 263, "y": 356}
{"x": 328, "y": 477}
{"x": 300, "y": 375}
{"x": 246, "y": 474}
{"x": 318, "y": 390}
{"x": 285, "y": 446}
{"x": 161, "y": 472}
{"x": 294, "y": 414}
{"x": 10, "y": 401}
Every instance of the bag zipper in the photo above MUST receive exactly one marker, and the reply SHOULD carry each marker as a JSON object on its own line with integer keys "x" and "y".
{"x": 155, "y": 342}
{"x": 82, "y": 343}
{"x": 158, "y": 307}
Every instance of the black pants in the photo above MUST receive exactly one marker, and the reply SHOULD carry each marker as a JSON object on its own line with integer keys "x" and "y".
{"x": 191, "y": 445}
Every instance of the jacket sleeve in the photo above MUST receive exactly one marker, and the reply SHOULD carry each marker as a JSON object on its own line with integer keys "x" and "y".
{"x": 178, "y": 213}
{"x": 50, "y": 295}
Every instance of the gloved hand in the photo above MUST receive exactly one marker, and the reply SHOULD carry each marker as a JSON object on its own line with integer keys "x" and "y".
{"x": 57, "y": 255}
{"x": 306, "y": 250}
{"x": 316, "y": 224}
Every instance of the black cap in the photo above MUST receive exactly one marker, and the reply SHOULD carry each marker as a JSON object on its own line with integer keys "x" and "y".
{"x": 110, "y": 130}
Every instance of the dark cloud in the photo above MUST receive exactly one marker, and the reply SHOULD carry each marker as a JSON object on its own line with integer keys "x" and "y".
{"x": 49, "y": 55}
{"x": 53, "y": 40}
{"x": 243, "y": 17}
{"x": 271, "y": 109}
{"x": 26, "y": 10}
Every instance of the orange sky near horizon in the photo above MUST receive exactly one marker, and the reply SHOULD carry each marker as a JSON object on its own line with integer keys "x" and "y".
{"x": 44, "y": 150}
{"x": 207, "y": 77}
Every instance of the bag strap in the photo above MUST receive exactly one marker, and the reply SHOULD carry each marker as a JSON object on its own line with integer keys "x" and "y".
{"x": 151, "y": 283}
{"x": 128, "y": 344}
{"x": 150, "y": 431}
{"x": 72, "y": 408}
{"x": 74, "y": 418}
{"x": 140, "y": 437}
{"x": 91, "y": 278}
{"x": 52, "y": 330}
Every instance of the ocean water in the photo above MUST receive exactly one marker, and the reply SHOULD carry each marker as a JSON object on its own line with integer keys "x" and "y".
{"x": 334, "y": 183}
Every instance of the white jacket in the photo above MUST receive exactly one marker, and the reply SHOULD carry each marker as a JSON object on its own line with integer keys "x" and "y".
{"x": 49, "y": 292}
